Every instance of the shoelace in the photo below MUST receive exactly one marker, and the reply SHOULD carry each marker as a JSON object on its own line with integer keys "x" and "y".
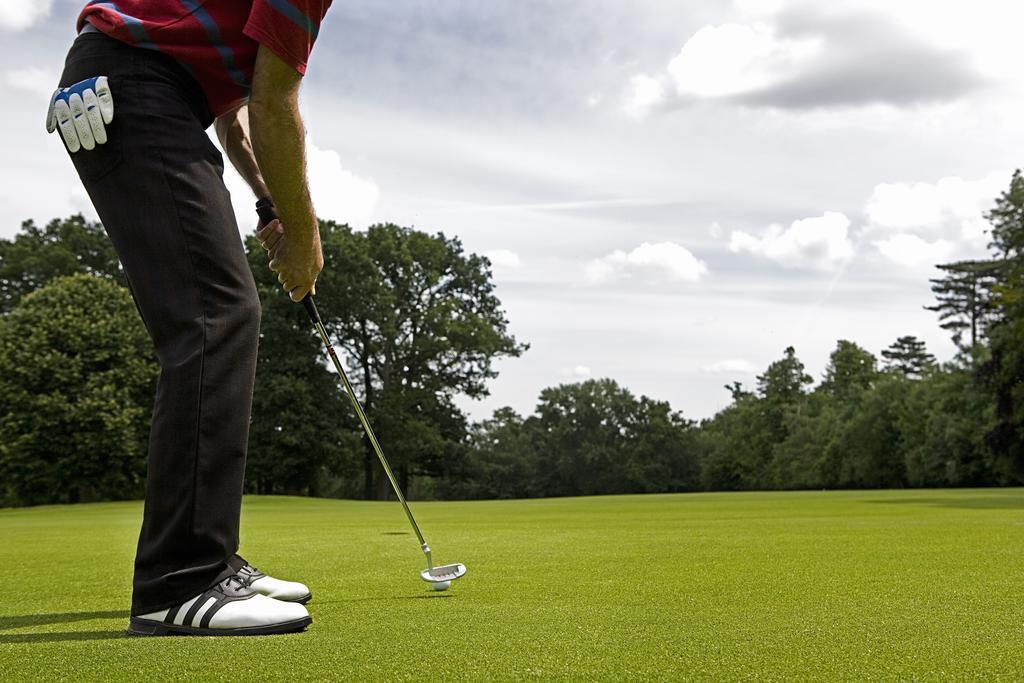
{"x": 246, "y": 575}
{"x": 236, "y": 579}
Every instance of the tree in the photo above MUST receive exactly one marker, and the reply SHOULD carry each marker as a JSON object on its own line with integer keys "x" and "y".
{"x": 850, "y": 369}
{"x": 780, "y": 390}
{"x": 867, "y": 449}
{"x": 734, "y": 443}
{"x": 739, "y": 443}
{"x": 965, "y": 297}
{"x": 943, "y": 422}
{"x": 64, "y": 247}
{"x": 1007, "y": 220}
{"x": 784, "y": 380}
{"x": 77, "y": 377}
{"x": 303, "y": 435}
{"x": 737, "y": 392}
{"x": 503, "y": 460}
{"x": 800, "y": 460}
{"x": 419, "y": 324}
{"x": 909, "y": 357}
{"x": 595, "y": 437}
{"x": 1004, "y": 372}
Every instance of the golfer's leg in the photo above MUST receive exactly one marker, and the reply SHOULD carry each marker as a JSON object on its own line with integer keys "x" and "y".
{"x": 197, "y": 458}
{"x": 168, "y": 214}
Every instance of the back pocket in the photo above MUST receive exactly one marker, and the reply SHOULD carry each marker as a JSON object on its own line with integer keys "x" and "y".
{"x": 95, "y": 163}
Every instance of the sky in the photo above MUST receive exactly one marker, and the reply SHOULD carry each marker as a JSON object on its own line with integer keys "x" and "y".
{"x": 671, "y": 193}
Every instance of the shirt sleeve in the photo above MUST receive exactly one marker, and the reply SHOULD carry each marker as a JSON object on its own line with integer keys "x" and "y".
{"x": 288, "y": 27}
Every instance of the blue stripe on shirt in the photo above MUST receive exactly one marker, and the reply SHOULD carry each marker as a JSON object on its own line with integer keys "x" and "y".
{"x": 213, "y": 33}
{"x": 134, "y": 26}
{"x": 297, "y": 16}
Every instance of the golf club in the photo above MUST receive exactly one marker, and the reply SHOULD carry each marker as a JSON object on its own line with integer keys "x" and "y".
{"x": 438, "y": 577}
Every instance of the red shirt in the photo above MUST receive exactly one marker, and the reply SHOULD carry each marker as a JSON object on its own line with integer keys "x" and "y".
{"x": 216, "y": 40}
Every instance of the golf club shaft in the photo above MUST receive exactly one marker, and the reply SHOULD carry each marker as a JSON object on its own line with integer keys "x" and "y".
{"x": 266, "y": 211}
{"x": 314, "y": 315}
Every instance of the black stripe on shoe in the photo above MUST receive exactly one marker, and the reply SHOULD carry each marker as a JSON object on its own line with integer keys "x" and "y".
{"x": 223, "y": 598}
{"x": 214, "y": 608}
{"x": 171, "y": 613}
{"x": 196, "y": 606}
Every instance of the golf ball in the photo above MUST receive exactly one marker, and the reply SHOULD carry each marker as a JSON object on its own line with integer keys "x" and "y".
{"x": 440, "y": 585}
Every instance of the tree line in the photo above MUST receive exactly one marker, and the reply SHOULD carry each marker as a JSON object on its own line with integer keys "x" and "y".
{"x": 419, "y": 323}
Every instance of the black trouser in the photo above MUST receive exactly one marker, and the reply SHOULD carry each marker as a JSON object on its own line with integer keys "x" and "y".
{"x": 157, "y": 186}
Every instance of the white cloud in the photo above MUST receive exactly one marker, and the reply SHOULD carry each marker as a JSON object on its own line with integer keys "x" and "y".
{"x": 578, "y": 372}
{"x": 987, "y": 30}
{"x": 503, "y": 258}
{"x": 812, "y": 57}
{"x": 913, "y": 252}
{"x": 733, "y": 58}
{"x": 665, "y": 259}
{"x": 821, "y": 243}
{"x": 32, "y": 79}
{"x": 953, "y": 207}
{"x": 339, "y": 194}
{"x": 645, "y": 93}
{"x": 732, "y": 365}
{"x": 18, "y": 15}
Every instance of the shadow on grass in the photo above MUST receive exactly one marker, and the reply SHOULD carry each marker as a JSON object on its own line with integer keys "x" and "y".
{"x": 435, "y": 596}
{"x": 9, "y": 622}
{"x": 27, "y": 620}
{"x": 997, "y": 502}
{"x": 60, "y": 637}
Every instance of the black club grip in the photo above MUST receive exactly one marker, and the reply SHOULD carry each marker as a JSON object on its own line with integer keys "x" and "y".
{"x": 310, "y": 305}
{"x": 267, "y": 212}
{"x": 265, "y": 209}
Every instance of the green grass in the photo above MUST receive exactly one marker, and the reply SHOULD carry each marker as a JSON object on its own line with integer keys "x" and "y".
{"x": 837, "y": 585}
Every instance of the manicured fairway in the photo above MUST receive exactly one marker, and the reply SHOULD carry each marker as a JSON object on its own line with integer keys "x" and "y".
{"x": 847, "y": 585}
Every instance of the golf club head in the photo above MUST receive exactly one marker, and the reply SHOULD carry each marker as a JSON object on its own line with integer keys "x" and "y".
{"x": 448, "y": 572}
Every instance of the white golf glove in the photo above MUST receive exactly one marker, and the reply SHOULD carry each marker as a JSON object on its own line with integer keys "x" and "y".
{"x": 81, "y": 111}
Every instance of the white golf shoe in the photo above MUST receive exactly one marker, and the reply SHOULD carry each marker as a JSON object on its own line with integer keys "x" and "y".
{"x": 288, "y": 591}
{"x": 229, "y": 608}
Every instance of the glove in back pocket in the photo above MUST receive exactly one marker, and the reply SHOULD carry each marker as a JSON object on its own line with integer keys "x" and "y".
{"x": 95, "y": 163}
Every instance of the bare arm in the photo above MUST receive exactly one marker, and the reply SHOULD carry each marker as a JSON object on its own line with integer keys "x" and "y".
{"x": 278, "y": 142}
{"x": 233, "y": 132}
